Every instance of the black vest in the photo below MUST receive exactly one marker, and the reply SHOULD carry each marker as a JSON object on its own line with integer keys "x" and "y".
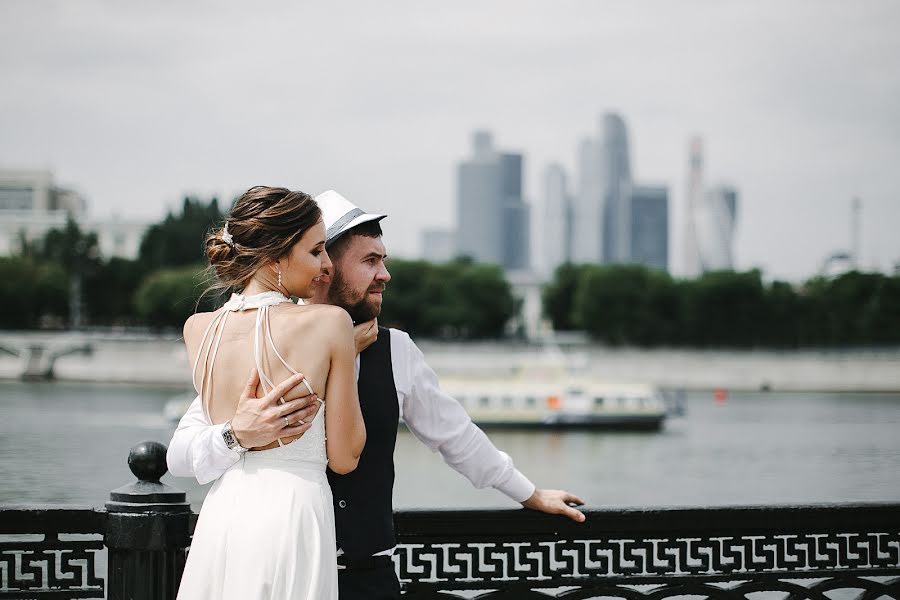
{"x": 363, "y": 507}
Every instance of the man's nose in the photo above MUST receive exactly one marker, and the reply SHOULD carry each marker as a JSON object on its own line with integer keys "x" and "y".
{"x": 383, "y": 274}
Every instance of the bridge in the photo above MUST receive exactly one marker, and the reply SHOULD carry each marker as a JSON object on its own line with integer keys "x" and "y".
{"x": 39, "y": 357}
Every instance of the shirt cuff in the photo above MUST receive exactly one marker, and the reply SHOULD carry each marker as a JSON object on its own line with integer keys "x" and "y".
{"x": 220, "y": 447}
{"x": 518, "y": 487}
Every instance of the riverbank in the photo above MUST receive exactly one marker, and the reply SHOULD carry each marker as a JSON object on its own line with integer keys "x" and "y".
{"x": 161, "y": 361}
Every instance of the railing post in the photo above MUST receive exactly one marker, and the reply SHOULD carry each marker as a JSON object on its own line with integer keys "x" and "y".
{"x": 148, "y": 531}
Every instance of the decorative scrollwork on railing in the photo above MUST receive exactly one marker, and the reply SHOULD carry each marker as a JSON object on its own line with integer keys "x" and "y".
{"x": 652, "y": 560}
{"x": 557, "y": 561}
{"x": 50, "y": 566}
{"x": 51, "y": 552}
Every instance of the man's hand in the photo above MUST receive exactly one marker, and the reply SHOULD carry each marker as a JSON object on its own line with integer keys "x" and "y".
{"x": 556, "y": 502}
{"x": 365, "y": 334}
{"x": 260, "y": 421}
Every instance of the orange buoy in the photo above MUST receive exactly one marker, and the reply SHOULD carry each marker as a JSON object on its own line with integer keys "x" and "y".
{"x": 720, "y": 395}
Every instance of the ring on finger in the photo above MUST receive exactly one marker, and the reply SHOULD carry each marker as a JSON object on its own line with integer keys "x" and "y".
{"x": 301, "y": 422}
{"x": 286, "y": 422}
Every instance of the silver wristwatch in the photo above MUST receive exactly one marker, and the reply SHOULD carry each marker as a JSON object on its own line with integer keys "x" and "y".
{"x": 230, "y": 440}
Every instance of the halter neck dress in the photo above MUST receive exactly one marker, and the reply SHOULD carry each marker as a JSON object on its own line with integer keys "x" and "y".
{"x": 266, "y": 529}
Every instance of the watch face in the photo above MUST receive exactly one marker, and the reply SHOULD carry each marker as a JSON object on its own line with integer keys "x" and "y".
{"x": 229, "y": 438}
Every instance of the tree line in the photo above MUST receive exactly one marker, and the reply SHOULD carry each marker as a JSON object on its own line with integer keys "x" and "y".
{"x": 635, "y": 305}
{"x": 63, "y": 273}
{"x": 614, "y": 304}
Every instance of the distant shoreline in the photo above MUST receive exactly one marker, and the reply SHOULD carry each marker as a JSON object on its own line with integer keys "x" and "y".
{"x": 140, "y": 359}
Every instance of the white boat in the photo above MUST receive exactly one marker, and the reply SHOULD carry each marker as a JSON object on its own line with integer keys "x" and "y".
{"x": 551, "y": 391}
{"x": 569, "y": 403}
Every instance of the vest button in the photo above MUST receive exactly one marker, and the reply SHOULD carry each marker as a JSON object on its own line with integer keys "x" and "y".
{"x": 342, "y": 504}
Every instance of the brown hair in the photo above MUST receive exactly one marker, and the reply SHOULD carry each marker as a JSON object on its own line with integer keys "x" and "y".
{"x": 263, "y": 226}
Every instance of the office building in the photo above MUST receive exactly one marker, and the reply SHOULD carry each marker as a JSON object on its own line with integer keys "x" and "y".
{"x": 556, "y": 238}
{"x": 492, "y": 216}
{"x": 650, "y": 226}
{"x": 31, "y": 204}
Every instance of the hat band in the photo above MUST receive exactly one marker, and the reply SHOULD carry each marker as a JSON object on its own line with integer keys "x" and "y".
{"x": 340, "y": 223}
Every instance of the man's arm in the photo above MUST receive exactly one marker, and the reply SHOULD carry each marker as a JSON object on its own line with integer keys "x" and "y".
{"x": 443, "y": 425}
{"x": 198, "y": 450}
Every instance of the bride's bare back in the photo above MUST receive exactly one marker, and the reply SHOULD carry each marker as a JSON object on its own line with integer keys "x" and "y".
{"x": 316, "y": 340}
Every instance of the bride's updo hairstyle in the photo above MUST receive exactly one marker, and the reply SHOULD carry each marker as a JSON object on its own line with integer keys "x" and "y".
{"x": 263, "y": 226}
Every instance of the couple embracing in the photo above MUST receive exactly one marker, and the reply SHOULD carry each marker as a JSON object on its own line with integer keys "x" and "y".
{"x": 302, "y": 453}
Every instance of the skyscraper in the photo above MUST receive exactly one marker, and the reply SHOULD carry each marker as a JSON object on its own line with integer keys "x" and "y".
{"x": 438, "y": 245}
{"x": 694, "y": 200}
{"x": 556, "y": 226}
{"x": 602, "y": 211}
{"x": 616, "y": 189}
{"x": 716, "y": 228}
{"x": 587, "y": 209}
{"x": 492, "y": 217}
{"x": 650, "y": 226}
{"x": 710, "y": 217}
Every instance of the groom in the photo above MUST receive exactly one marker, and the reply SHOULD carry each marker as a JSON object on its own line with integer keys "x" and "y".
{"x": 394, "y": 382}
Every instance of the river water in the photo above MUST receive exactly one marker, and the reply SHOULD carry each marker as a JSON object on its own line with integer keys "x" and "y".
{"x": 68, "y": 443}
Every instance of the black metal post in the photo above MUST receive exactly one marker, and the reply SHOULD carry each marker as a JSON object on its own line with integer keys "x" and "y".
{"x": 148, "y": 531}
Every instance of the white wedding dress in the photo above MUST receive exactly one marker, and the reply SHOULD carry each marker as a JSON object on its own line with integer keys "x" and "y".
{"x": 266, "y": 530}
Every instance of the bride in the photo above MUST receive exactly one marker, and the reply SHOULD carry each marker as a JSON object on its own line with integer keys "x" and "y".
{"x": 266, "y": 530}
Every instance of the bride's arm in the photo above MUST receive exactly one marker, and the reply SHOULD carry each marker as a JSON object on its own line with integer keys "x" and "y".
{"x": 346, "y": 432}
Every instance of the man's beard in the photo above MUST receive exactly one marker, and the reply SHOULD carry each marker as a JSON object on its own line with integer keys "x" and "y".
{"x": 340, "y": 294}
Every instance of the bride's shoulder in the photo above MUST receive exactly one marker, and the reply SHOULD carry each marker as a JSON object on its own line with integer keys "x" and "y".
{"x": 194, "y": 328}
{"x": 318, "y": 315}
{"x": 196, "y": 324}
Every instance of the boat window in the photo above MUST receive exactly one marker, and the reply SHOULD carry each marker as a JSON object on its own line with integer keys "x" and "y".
{"x": 484, "y": 401}
{"x": 530, "y": 401}
{"x": 598, "y": 401}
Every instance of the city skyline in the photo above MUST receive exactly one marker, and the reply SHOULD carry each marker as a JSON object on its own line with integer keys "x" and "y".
{"x": 134, "y": 107}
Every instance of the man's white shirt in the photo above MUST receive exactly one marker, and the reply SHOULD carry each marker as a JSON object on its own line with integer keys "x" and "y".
{"x": 437, "y": 420}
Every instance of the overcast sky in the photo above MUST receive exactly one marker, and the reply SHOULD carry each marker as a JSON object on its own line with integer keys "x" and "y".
{"x": 136, "y": 104}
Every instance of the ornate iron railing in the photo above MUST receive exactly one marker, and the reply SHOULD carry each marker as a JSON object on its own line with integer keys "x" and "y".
{"x": 795, "y": 553}
{"x": 720, "y": 553}
{"x": 51, "y": 552}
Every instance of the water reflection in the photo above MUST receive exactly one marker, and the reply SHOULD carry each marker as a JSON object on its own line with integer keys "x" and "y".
{"x": 68, "y": 443}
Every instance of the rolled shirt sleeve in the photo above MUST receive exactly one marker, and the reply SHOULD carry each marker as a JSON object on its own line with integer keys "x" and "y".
{"x": 197, "y": 448}
{"x": 443, "y": 425}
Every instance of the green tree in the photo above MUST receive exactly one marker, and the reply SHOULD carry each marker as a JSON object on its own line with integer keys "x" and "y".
{"x": 31, "y": 291}
{"x": 885, "y": 321}
{"x": 404, "y": 298}
{"x": 167, "y": 297}
{"x": 486, "y": 297}
{"x": 110, "y": 290}
{"x": 858, "y": 308}
{"x": 627, "y": 304}
{"x": 558, "y": 297}
{"x": 78, "y": 254}
{"x": 783, "y": 327}
{"x": 178, "y": 240}
{"x": 726, "y": 308}
{"x": 456, "y": 299}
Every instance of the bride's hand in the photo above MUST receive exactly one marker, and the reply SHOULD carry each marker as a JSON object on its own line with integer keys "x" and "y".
{"x": 260, "y": 421}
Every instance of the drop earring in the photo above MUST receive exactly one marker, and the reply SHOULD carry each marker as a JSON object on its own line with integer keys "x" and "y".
{"x": 279, "y": 279}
